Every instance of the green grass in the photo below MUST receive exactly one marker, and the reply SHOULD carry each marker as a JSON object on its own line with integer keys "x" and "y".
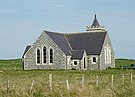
{"x": 16, "y": 64}
{"x": 11, "y": 64}
{"x": 125, "y": 62}
{"x": 20, "y": 81}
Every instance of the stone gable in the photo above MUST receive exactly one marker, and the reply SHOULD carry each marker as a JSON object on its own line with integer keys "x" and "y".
{"x": 44, "y": 40}
{"x": 102, "y": 55}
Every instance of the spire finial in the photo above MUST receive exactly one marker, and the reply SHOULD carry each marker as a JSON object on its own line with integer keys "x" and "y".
{"x": 95, "y": 15}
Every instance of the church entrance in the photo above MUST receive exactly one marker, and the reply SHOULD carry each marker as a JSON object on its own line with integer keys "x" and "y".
{"x": 84, "y": 64}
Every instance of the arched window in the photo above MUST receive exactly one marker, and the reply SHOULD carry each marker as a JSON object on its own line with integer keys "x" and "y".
{"x": 109, "y": 55}
{"x": 38, "y": 56}
{"x": 107, "y": 51}
{"x": 51, "y": 56}
{"x": 44, "y": 54}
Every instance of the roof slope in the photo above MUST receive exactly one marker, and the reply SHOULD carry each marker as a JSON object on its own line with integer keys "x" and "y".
{"x": 92, "y": 42}
{"x": 26, "y": 49}
{"x": 75, "y": 44}
{"x": 77, "y": 54}
{"x": 61, "y": 41}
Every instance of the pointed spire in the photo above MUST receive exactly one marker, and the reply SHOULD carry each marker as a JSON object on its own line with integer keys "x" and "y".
{"x": 95, "y": 25}
{"x": 95, "y": 16}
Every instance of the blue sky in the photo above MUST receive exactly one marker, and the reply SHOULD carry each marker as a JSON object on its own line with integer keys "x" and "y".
{"x": 22, "y": 21}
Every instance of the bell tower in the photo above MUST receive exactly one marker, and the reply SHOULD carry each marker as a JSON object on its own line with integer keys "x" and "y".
{"x": 95, "y": 26}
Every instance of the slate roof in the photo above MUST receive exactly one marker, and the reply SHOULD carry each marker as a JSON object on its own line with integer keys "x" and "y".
{"x": 77, "y": 54}
{"x": 91, "y": 42}
{"x": 61, "y": 41}
{"x": 26, "y": 49}
{"x": 75, "y": 44}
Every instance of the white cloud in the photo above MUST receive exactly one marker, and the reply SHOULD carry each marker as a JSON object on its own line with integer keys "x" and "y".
{"x": 8, "y": 11}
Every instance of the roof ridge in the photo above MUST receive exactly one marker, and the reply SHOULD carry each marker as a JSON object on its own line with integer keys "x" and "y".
{"x": 70, "y": 33}
{"x": 85, "y": 32}
{"x": 54, "y": 32}
{"x": 68, "y": 43}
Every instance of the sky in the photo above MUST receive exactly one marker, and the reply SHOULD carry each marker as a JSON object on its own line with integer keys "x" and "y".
{"x": 22, "y": 22}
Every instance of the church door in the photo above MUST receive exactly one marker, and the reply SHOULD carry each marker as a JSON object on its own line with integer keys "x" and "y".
{"x": 84, "y": 64}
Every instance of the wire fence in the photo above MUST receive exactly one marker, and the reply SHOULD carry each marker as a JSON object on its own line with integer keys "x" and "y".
{"x": 66, "y": 83}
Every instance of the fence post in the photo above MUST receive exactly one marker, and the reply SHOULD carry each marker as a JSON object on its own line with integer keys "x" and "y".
{"x": 97, "y": 81}
{"x": 112, "y": 81}
{"x": 7, "y": 88}
{"x": 122, "y": 67}
{"x": 67, "y": 85}
{"x": 131, "y": 78}
{"x": 50, "y": 81}
{"x": 82, "y": 81}
{"x": 123, "y": 79}
{"x": 31, "y": 86}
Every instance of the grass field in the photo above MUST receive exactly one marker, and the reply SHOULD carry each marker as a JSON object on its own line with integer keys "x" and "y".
{"x": 16, "y": 64}
{"x": 14, "y": 82}
{"x": 11, "y": 64}
{"x": 125, "y": 62}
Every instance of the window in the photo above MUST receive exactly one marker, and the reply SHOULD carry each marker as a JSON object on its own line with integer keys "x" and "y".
{"x": 75, "y": 62}
{"x": 109, "y": 55}
{"x": 107, "y": 51}
{"x": 51, "y": 56}
{"x": 94, "y": 59}
{"x": 38, "y": 56}
{"x": 44, "y": 54}
{"x": 84, "y": 64}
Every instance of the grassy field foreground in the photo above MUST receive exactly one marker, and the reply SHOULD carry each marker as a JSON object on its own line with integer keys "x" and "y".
{"x": 14, "y": 82}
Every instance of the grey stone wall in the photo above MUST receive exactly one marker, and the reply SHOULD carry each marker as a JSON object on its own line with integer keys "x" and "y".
{"x": 78, "y": 66}
{"x": 91, "y": 65}
{"x": 59, "y": 58}
{"x": 82, "y": 61}
{"x": 69, "y": 62}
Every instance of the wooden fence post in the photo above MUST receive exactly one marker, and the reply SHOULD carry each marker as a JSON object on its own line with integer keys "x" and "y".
{"x": 97, "y": 81}
{"x": 112, "y": 81}
{"x": 31, "y": 86}
{"x": 82, "y": 81}
{"x": 67, "y": 85}
{"x": 123, "y": 79}
{"x": 7, "y": 88}
{"x": 131, "y": 78}
{"x": 122, "y": 67}
{"x": 50, "y": 81}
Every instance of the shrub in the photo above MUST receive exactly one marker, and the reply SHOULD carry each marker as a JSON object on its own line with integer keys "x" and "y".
{"x": 73, "y": 69}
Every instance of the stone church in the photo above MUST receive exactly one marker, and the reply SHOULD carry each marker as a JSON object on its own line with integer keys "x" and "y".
{"x": 89, "y": 50}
